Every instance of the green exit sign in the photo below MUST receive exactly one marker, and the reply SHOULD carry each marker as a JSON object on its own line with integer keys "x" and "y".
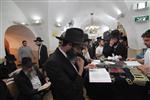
{"x": 142, "y": 18}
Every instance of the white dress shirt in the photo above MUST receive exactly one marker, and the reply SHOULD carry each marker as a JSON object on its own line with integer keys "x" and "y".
{"x": 147, "y": 57}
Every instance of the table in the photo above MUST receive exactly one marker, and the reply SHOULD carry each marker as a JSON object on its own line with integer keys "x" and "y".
{"x": 118, "y": 89}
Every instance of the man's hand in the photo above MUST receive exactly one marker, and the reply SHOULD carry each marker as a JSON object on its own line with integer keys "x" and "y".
{"x": 45, "y": 86}
{"x": 80, "y": 64}
{"x": 144, "y": 69}
{"x": 131, "y": 59}
{"x": 90, "y": 66}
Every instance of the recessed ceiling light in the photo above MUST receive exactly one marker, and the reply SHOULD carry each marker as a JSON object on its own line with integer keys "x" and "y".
{"x": 36, "y": 18}
{"x": 59, "y": 20}
{"x": 23, "y": 23}
{"x": 118, "y": 11}
{"x": 37, "y": 21}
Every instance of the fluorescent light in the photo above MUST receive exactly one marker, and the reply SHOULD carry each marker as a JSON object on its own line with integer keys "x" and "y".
{"x": 36, "y": 18}
{"x": 23, "y": 23}
{"x": 37, "y": 21}
{"x": 118, "y": 11}
{"x": 59, "y": 20}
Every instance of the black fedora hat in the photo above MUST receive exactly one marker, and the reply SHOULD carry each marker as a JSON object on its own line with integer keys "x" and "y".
{"x": 99, "y": 38}
{"x": 26, "y": 62}
{"x": 86, "y": 38}
{"x": 73, "y": 35}
{"x": 38, "y": 39}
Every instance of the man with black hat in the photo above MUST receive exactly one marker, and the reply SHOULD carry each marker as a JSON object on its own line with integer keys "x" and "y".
{"x": 29, "y": 80}
{"x": 64, "y": 68}
{"x": 85, "y": 50}
{"x": 42, "y": 51}
{"x": 114, "y": 47}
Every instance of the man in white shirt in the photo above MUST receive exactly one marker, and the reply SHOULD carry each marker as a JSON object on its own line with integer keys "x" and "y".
{"x": 146, "y": 39}
{"x": 146, "y": 61}
{"x": 99, "y": 49}
{"x": 147, "y": 57}
{"x": 29, "y": 81}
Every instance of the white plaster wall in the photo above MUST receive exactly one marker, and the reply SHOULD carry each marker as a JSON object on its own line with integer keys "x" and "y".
{"x": 9, "y": 12}
{"x": 135, "y": 30}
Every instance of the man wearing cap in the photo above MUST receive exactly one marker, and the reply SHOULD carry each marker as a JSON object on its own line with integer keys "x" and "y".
{"x": 64, "y": 68}
{"x": 29, "y": 80}
{"x": 99, "y": 49}
{"x": 42, "y": 51}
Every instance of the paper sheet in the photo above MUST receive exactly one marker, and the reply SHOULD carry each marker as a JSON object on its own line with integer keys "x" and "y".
{"x": 109, "y": 63}
{"x": 132, "y": 63}
{"x": 99, "y": 76}
{"x": 45, "y": 86}
{"x": 95, "y": 62}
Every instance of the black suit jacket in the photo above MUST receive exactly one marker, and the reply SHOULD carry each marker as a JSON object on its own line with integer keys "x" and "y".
{"x": 66, "y": 83}
{"x": 24, "y": 85}
{"x": 108, "y": 50}
{"x": 43, "y": 55}
{"x": 4, "y": 92}
{"x": 120, "y": 49}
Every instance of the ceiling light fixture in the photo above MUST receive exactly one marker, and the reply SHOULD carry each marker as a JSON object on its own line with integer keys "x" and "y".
{"x": 92, "y": 28}
{"x": 20, "y": 23}
{"x": 36, "y": 20}
{"x": 58, "y": 22}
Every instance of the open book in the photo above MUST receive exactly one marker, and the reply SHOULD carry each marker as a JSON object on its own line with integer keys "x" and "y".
{"x": 132, "y": 63}
{"x": 45, "y": 86}
{"x": 99, "y": 75}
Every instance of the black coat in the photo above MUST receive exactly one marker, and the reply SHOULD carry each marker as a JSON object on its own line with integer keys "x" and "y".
{"x": 108, "y": 50}
{"x": 24, "y": 85}
{"x": 43, "y": 55}
{"x": 66, "y": 83}
{"x": 4, "y": 92}
{"x": 120, "y": 49}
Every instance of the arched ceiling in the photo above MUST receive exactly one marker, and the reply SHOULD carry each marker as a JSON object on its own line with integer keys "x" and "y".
{"x": 105, "y": 14}
{"x": 105, "y": 11}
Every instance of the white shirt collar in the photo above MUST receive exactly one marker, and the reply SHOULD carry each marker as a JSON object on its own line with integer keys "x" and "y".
{"x": 62, "y": 52}
{"x": 66, "y": 57}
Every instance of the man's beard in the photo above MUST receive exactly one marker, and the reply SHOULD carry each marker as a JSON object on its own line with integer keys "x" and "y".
{"x": 72, "y": 55}
{"x": 31, "y": 74}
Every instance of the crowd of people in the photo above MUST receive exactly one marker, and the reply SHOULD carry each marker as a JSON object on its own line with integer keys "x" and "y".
{"x": 66, "y": 67}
